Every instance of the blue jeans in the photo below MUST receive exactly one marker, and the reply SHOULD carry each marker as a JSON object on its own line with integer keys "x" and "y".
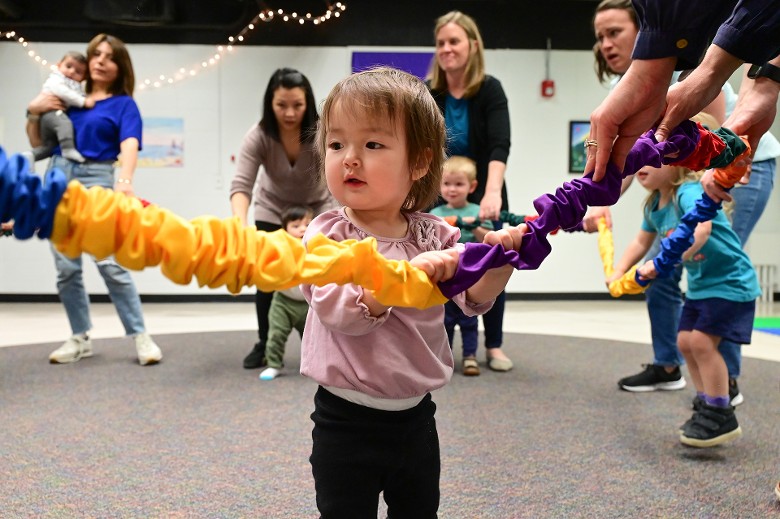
{"x": 751, "y": 199}
{"x": 664, "y": 305}
{"x": 70, "y": 280}
{"x": 749, "y": 203}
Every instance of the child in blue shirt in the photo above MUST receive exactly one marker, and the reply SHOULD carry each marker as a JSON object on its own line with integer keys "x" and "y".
{"x": 459, "y": 179}
{"x": 719, "y": 304}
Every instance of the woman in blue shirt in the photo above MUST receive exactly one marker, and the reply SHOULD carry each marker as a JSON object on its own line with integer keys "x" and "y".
{"x": 111, "y": 128}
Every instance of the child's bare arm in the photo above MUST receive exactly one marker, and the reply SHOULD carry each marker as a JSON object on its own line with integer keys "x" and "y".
{"x": 495, "y": 280}
{"x": 633, "y": 253}
{"x": 700, "y": 236}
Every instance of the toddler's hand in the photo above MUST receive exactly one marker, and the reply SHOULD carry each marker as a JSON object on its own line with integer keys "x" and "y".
{"x": 439, "y": 265}
{"x": 6, "y": 229}
{"x": 647, "y": 271}
{"x": 510, "y": 237}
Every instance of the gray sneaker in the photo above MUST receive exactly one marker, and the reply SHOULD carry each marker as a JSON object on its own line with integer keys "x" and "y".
{"x": 74, "y": 349}
{"x": 148, "y": 351}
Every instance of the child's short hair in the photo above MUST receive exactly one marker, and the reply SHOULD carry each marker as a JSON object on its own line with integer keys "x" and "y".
{"x": 75, "y": 55}
{"x": 462, "y": 165}
{"x": 295, "y": 212}
{"x": 392, "y": 93}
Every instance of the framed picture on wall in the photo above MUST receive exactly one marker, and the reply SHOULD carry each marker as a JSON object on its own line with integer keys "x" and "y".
{"x": 578, "y": 132}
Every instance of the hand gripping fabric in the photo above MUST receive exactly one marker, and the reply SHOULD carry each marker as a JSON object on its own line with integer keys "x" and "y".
{"x": 721, "y": 150}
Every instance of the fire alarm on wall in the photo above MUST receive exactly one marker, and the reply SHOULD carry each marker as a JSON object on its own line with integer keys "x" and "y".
{"x": 548, "y": 88}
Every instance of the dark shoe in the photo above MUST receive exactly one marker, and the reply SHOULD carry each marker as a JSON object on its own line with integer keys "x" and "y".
{"x": 711, "y": 426}
{"x": 696, "y": 405}
{"x": 653, "y": 378}
{"x": 256, "y": 357}
{"x": 734, "y": 394}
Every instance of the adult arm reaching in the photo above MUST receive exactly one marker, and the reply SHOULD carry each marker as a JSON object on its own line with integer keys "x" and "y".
{"x": 635, "y": 104}
{"x": 672, "y": 34}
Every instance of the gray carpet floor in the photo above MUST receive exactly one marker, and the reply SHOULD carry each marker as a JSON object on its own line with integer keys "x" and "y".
{"x": 198, "y": 436}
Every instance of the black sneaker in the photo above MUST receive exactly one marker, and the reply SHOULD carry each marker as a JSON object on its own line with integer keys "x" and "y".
{"x": 711, "y": 426}
{"x": 256, "y": 357}
{"x": 734, "y": 394}
{"x": 695, "y": 405}
{"x": 653, "y": 378}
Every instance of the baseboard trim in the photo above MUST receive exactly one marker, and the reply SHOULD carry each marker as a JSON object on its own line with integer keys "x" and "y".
{"x": 569, "y": 296}
{"x": 248, "y": 298}
{"x": 145, "y": 298}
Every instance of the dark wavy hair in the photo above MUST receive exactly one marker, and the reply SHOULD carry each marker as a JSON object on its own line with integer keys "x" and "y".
{"x": 603, "y": 72}
{"x": 125, "y": 77}
{"x": 289, "y": 78}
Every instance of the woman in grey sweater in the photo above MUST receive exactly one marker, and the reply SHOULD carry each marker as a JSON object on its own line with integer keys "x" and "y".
{"x": 282, "y": 144}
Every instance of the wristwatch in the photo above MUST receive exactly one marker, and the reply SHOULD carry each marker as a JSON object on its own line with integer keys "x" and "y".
{"x": 765, "y": 70}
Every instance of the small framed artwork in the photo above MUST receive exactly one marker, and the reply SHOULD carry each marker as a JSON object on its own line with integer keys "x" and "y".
{"x": 578, "y": 132}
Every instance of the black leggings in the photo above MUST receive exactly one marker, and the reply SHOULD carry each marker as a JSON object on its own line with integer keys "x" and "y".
{"x": 493, "y": 321}
{"x": 263, "y": 299}
{"x": 359, "y": 452}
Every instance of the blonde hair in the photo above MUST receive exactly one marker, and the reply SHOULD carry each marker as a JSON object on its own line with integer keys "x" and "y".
{"x": 475, "y": 67}
{"x": 684, "y": 174}
{"x": 462, "y": 165}
{"x": 392, "y": 94}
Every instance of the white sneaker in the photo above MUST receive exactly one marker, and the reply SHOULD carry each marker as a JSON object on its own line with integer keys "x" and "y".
{"x": 269, "y": 374}
{"x": 75, "y": 348}
{"x": 148, "y": 351}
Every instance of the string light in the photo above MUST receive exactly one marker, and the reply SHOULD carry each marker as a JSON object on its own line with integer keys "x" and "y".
{"x": 264, "y": 16}
{"x": 11, "y": 35}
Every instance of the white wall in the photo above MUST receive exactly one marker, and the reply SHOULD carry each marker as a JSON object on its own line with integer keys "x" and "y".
{"x": 221, "y": 103}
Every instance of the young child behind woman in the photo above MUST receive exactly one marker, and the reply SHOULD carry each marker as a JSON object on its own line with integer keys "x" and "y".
{"x": 719, "y": 304}
{"x": 459, "y": 179}
{"x": 288, "y": 307}
{"x": 381, "y": 140}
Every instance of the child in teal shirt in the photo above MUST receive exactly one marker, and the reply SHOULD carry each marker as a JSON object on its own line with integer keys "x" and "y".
{"x": 459, "y": 179}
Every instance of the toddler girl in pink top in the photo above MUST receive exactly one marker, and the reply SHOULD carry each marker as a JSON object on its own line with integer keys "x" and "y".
{"x": 381, "y": 139}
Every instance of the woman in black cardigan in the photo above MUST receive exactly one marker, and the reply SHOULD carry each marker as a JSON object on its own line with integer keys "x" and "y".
{"x": 477, "y": 117}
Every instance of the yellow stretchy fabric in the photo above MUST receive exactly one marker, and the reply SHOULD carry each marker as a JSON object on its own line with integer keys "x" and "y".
{"x": 218, "y": 252}
{"x": 627, "y": 283}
